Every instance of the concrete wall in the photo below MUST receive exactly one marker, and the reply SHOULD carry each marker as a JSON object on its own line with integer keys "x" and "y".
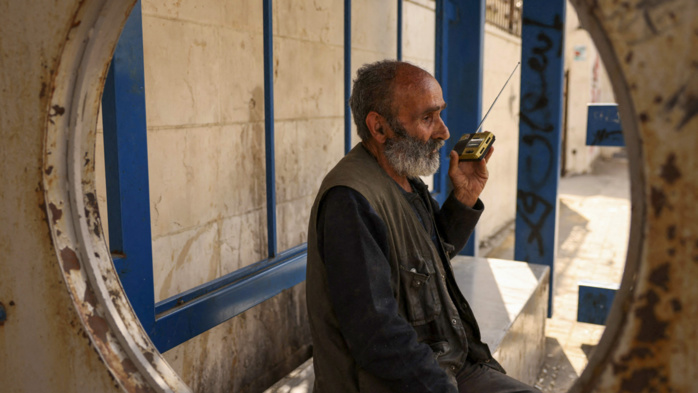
{"x": 205, "y": 116}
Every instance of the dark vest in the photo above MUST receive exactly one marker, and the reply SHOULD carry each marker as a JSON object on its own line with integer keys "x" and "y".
{"x": 424, "y": 287}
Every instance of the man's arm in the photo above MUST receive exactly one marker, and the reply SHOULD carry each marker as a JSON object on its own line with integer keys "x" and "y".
{"x": 456, "y": 221}
{"x": 353, "y": 244}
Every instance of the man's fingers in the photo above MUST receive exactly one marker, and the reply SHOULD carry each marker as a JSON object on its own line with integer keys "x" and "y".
{"x": 453, "y": 164}
{"x": 489, "y": 154}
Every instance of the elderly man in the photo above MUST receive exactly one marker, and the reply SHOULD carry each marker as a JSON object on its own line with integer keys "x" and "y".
{"x": 386, "y": 314}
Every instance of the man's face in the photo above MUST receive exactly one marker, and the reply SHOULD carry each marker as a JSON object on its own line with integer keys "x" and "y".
{"x": 417, "y": 129}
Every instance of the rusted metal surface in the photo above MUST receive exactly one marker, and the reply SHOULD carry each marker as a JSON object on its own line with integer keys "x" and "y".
{"x": 69, "y": 185}
{"x": 651, "y": 340}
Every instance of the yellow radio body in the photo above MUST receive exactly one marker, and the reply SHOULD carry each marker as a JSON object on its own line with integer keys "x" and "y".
{"x": 474, "y": 147}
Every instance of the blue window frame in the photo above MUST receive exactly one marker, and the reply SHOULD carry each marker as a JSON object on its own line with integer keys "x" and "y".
{"x": 172, "y": 321}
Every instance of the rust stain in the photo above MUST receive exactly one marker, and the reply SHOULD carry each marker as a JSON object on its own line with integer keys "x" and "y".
{"x": 89, "y": 297}
{"x": 56, "y": 213}
{"x": 91, "y": 201}
{"x": 670, "y": 173}
{"x": 99, "y": 326}
{"x": 651, "y": 328}
{"x": 57, "y": 111}
{"x": 70, "y": 260}
{"x": 42, "y": 93}
{"x": 660, "y": 276}
{"x": 658, "y": 200}
{"x": 640, "y": 380}
{"x": 671, "y": 232}
{"x": 676, "y": 305}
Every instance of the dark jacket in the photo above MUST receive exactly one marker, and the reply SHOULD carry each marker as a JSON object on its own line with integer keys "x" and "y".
{"x": 426, "y": 328}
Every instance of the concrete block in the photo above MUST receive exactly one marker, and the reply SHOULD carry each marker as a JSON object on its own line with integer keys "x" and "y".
{"x": 184, "y": 260}
{"x": 182, "y": 69}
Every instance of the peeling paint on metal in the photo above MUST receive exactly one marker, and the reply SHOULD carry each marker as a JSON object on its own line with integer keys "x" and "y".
{"x": 70, "y": 260}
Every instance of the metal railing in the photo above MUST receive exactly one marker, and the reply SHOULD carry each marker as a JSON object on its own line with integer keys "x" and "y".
{"x": 505, "y": 14}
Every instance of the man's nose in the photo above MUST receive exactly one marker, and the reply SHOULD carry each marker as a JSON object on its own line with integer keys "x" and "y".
{"x": 441, "y": 131}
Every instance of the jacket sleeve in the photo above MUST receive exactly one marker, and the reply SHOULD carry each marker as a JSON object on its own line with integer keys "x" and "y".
{"x": 353, "y": 244}
{"x": 456, "y": 221}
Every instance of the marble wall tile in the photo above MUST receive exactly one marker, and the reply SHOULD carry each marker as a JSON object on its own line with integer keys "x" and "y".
{"x": 243, "y": 240}
{"x": 183, "y": 170}
{"x": 182, "y": 68}
{"x": 305, "y": 151}
{"x": 241, "y": 78}
{"x": 310, "y": 20}
{"x": 307, "y": 79}
{"x": 240, "y": 175}
{"x": 184, "y": 260}
{"x": 374, "y": 26}
{"x": 244, "y": 15}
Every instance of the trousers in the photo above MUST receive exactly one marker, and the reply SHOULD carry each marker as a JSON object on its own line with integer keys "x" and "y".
{"x": 478, "y": 378}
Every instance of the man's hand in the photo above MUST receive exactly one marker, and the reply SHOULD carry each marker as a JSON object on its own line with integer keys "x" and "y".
{"x": 468, "y": 177}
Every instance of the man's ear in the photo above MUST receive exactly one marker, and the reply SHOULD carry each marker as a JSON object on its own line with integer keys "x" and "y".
{"x": 376, "y": 125}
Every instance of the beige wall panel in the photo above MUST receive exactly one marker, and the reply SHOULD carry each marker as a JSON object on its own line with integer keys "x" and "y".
{"x": 243, "y": 240}
{"x": 310, "y": 20}
{"x": 292, "y": 217}
{"x": 419, "y": 30}
{"x": 305, "y": 151}
{"x": 501, "y": 53}
{"x": 241, "y": 78}
{"x": 183, "y": 165}
{"x": 184, "y": 260}
{"x": 240, "y": 183}
{"x": 182, "y": 71}
{"x": 373, "y": 26}
{"x": 307, "y": 79}
{"x": 243, "y": 15}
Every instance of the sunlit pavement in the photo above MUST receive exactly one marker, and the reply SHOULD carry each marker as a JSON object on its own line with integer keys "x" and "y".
{"x": 594, "y": 222}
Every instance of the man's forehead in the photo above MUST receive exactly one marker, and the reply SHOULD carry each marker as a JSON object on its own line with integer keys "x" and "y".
{"x": 418, "y": 89}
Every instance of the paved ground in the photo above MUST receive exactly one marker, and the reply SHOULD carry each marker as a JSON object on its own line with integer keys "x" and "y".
{"x": 592, "y": 242}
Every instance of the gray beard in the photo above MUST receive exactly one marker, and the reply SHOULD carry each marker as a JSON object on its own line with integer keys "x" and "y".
{"x": 409, "y": 156}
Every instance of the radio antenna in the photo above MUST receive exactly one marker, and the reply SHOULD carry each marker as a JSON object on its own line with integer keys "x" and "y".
{"x": 496, "y": 98}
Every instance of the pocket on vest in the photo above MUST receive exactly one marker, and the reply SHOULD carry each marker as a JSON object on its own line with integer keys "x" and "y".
{"x": 421, "y": 297}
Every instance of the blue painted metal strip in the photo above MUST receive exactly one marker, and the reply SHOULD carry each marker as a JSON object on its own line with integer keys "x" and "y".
{"x": 203, "y": 313}
{"x": 347, "y": 75}
{"x": 460, "y": 30}
{"x": 603, "y": 125}
{"x": 269, "y": 127}
{"x": 399, "y": 29}
{"x": 540, "y": 133}
{"x": 595, "y": 300}
{"x": 126, "y": 162}
{"x": 247, "y": 272}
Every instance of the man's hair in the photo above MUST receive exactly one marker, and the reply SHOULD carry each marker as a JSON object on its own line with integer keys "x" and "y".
{"x": 373, "y": 91}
